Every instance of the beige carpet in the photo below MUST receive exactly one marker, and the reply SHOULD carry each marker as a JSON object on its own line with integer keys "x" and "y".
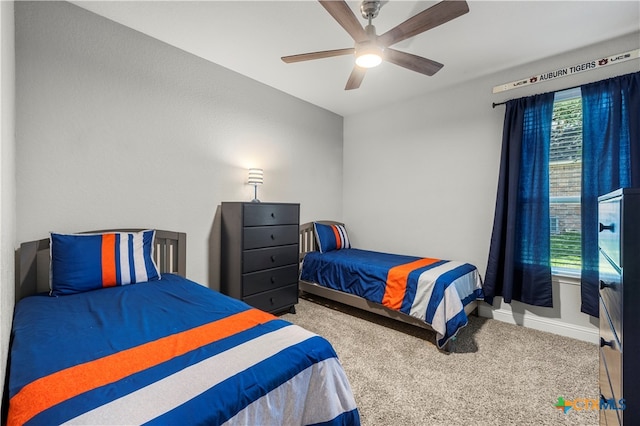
{"x": 496, "y": 374}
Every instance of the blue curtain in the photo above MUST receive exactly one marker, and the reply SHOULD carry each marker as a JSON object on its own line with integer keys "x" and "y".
{"x": 610, "y": 160}
{"x": 518, "y": 266}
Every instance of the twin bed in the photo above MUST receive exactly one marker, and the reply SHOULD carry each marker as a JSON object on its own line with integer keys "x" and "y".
{"x": 430, "y": 293}
{"x": 169, "y": 351}
{"x": 146, "y": 345}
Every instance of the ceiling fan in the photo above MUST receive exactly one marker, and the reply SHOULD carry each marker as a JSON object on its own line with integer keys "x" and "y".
{"x": 370, "y": 49}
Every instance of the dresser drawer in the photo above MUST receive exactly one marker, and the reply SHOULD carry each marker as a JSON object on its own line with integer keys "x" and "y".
{"x": 610, "y": 391}
{"x": 266, "y": 258}
{"x": 269, "y": 279}
{"x": 268, "y": 236}
{"x": 609, "y": 229}
{"x": 603, "y": 379}
{"x": 613, "y": 360}
{"x": 611, "y": 292}
{"x": 262, "y": 214}
{"x": 274, "y": 300}
{"x": 610, "y": 352}
{"x": 607, "y": 416}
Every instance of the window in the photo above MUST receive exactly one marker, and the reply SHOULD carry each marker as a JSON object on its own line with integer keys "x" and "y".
{"x": 565, "y": 173}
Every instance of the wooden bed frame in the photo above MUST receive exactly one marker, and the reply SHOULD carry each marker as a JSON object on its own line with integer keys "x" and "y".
{"x": 308, "y": 244}
{"x": 32, "y": 260}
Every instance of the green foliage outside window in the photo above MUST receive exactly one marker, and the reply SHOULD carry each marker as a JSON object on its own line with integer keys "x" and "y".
{"x": 565, "y": 170}
{"x": 565, "y": 250}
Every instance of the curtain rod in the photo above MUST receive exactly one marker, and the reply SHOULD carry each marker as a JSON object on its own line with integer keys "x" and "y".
{"x": 570, "y": 70}
{"x": 563, "y": 72}
{"x": 495, "y": 104}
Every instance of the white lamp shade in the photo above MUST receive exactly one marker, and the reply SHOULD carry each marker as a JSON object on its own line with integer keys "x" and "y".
{"x": 256, "y": 177}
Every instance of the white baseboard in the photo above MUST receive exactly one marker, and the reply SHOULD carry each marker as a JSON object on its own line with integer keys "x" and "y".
{"x": 587, "y": 334}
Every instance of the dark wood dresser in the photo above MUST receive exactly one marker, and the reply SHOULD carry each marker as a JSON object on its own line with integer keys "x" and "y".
{"x": 619, "y": 268}
{"x": 260, "y": 254}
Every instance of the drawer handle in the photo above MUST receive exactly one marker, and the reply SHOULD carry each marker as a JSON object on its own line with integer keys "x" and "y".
{"x": 273, "y": 258}
{"x": 273, "y": 237}
{"x": 273, "y": 215}
{"x": 604, "y": 285}
{"x": 273, "y": 280}
{"x": 607, "y": 227}
{"x": 271, "y": 300}
{"x": 606, "y": 343}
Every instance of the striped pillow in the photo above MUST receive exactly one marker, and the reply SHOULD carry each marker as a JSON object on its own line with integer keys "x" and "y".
{"x": 83, "y": 262}
{"x": 331, "y": 237}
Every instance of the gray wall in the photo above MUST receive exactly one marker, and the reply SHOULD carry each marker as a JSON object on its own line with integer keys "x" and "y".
{"x": 423, "y": 180}
{"x": 116, "y": 129}
{"x": 7, "y": 178}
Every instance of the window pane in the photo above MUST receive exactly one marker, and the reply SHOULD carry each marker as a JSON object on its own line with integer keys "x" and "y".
{"x": 565, "y": 168}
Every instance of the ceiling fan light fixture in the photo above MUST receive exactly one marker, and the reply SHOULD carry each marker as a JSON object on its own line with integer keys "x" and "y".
{"x": 368, "y": 60}
{"x": 368, "y": 55}
{"x": 370, "y": 49}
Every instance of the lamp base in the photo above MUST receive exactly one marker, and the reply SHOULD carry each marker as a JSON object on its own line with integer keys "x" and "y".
{"x": 255, "y": 194}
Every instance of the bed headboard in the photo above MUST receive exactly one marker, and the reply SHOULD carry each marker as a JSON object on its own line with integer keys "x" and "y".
{"x": 32, "y": 260}
{"x": 308, "y": 236}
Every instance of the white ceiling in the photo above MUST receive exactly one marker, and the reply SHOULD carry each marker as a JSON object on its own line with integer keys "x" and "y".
{"x": 249, "y": 37}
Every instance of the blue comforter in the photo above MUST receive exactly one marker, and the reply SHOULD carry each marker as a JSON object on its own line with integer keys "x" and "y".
{"x": 169, "y": 352}
{"x": 433, "y": 290}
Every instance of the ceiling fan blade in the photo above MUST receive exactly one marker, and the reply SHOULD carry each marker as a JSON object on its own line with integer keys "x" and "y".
{"x": 318, "y": 55}
{"x": 436, "y": 15}
{"x": 355, "y": 79}
{"x": 412, "y": 62}
{"x": 342, "y": 13}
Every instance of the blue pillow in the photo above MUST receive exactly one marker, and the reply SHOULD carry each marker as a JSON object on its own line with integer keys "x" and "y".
{"x": 331, "y": 237}
{"x": 84, "y": 262}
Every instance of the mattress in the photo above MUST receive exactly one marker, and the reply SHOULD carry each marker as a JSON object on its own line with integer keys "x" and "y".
{"x": 432, "y": 290}
{"x": 169, "y": 352}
